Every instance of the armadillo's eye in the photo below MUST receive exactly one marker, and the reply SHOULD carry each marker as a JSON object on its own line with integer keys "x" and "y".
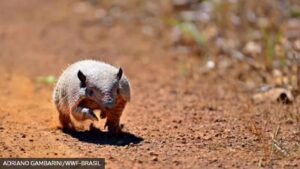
{"x": 90, "y": 92}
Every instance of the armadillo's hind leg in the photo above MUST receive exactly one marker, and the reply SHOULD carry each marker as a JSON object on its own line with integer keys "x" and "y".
{"x": 83, "y": 113}
{"x": 65, "y": 122}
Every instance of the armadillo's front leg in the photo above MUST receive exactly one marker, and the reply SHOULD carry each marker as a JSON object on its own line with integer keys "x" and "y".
{"x": 113, "y": 122}
{"x": 113, "y": 116}
{"x": 103, "y": 115}
{"x": 83, "y": 113}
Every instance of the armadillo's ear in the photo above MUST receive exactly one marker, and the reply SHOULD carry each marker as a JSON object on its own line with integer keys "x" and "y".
{"x": 120, "y": 73}
{"x": 82, "y": 78}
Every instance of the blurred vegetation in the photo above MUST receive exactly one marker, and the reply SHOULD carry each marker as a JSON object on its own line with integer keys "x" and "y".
{"x": 252, "y": 45}
{"x": 256, "y": 43}
{"x": 47, "y": 80}
{"x": 263, "y": 35}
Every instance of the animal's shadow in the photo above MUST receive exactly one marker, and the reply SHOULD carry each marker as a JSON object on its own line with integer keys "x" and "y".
{"x": 96, "y": 136}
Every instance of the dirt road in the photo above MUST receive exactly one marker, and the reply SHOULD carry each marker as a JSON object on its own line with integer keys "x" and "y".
{"x": 176, "y": 119}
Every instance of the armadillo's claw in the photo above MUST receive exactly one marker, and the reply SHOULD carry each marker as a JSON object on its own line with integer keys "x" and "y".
{"x": 89, "y": 114}
{"x": 113, "y": 127}
{"x": 93, "y": 116}
{"x": 105, "y": 125}
{"x": 121, "y": 126}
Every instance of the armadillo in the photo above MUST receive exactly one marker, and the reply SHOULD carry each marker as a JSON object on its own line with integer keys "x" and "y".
{"x": 90, "y": 85}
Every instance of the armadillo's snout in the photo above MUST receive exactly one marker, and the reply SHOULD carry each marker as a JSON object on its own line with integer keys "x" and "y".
{"x": 109, "y": 103}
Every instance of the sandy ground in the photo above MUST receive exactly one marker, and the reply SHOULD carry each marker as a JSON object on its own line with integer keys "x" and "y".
{"x": 175, "y": 119}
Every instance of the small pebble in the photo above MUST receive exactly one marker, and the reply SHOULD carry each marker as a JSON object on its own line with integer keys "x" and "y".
{"x": 154, "y": 159}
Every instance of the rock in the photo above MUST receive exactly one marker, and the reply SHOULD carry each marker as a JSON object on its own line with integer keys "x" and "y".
{"x": 252, "y": 48}
{"x": 180, "y": 2}
{"x": 274, "y": 95}
{"x": 297, "y": 44}
{"x": 81, "y": 7}
{"x": 154, "y": 159}
{"x": 278, "y": 77}
{"x": 209, "y": 65}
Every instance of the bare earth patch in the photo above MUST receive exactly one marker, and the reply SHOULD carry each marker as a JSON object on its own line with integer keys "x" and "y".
{"x": 176, "y": 119}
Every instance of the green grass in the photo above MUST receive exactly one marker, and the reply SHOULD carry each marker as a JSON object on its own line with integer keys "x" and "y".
{"x": 47, "y": 80}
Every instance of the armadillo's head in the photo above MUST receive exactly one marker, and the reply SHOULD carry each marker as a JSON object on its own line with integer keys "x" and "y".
{"x": 104, "y": 91}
